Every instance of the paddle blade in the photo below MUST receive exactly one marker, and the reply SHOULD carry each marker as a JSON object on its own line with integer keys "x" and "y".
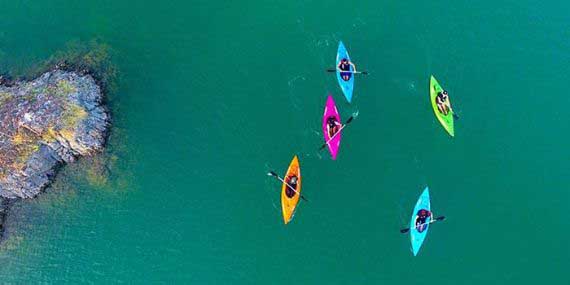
{"x": 331, "y": 70}
{"x": 405, "y": 230}
{"x": 322, "y": 146}
{"x": 349, "y": 120}
{"x": 440, "y": 218}
{"x": 365, "y": 72}
{"x": 455, "y": 116}
{"x": 271, "y": 173}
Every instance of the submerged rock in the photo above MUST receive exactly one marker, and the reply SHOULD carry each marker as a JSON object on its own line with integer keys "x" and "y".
{"x": 45, "y": 123}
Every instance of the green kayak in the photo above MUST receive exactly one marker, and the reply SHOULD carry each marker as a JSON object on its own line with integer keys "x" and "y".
{"x": 445, "y": 120}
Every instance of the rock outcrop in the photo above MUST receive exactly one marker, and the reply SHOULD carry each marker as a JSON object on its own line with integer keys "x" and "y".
{"x": 45, "y": 123}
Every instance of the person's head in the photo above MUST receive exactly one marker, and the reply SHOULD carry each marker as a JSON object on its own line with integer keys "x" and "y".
{"x": 445, "y": 92}
{"x": 423, "y": 212}
{"x": 344, "y": 60}
{"x": 294, "y": 179}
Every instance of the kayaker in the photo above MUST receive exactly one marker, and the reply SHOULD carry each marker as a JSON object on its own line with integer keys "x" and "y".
{"x": 442, "y": 101}
{"x": 344, "y": 65}
{"x": 333, "y": 125}
{"x": 291, "y": 181}
{"x": 421, "y": 219}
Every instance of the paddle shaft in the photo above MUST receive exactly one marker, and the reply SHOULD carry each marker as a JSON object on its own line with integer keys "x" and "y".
{"x": 348, "y": 71}
{"x": 341, "y": 127}
{"x": 430, "y": 222}
{"x": 329, "y": 140}
{"x": 354, "y": 72}
{"x": 453, "y": 113}
{"x": 290, "y": 187}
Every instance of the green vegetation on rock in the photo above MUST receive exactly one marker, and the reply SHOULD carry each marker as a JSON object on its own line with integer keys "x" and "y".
{"x": 72, "y": 115}
{"x": 64, "y": 88}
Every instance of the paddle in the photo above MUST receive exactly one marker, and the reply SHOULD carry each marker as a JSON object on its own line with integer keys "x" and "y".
{"x": 271, "y": 173}
{"x": 355, "y": 72}
{"x": 454, "y": 115}
{"x": 342, "y": 127}
{"x": 453, "y": 112}
{"x": 440, "y": 218}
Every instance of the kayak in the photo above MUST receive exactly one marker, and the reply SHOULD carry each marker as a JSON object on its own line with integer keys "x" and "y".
{"x": 331, "y": 110}
{"x": 289, "y": 203}
{"x": 445, "y": 120}
{"x": 416, "y": 237}
{"x": 346, "y": 86}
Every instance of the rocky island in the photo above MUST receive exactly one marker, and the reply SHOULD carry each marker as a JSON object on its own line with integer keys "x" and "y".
{"x": 44, "y": 123}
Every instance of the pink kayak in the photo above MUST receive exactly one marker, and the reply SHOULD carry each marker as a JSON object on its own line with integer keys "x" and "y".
{"x": 332, "y": 118}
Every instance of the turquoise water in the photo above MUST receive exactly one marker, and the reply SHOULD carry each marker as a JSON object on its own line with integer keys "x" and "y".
{"x": 212, "y": 95}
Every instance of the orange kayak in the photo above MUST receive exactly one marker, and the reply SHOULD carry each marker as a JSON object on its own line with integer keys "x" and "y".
{"x": 290, "y": 198}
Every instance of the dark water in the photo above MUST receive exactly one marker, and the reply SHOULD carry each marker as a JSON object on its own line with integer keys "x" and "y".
{"x": 213, "y": 94}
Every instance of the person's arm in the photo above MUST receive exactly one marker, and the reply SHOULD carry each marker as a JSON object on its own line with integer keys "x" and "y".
{"x": 353, "y": 66}
{"x": 338, "y": 66}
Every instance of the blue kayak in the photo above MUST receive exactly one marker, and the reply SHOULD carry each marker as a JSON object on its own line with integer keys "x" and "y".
{"x": 417, "y": 237}
{"x": 346, "y": 86}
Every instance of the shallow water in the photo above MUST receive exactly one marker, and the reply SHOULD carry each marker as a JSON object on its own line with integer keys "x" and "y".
{"x": 213, "y": 94}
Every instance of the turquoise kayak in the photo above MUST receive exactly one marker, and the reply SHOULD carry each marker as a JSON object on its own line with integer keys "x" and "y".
{"x": 346, "y": 86}
{"x": 416, "y": 236}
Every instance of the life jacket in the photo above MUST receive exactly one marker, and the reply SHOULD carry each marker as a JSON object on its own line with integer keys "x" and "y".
{"x": 345, "y": 65}
{"x": 288, "y": 191}
{"x": 331, "y": 121}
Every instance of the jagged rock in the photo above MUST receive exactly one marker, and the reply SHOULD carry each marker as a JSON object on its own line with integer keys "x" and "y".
{"x": 45, "y": 123}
